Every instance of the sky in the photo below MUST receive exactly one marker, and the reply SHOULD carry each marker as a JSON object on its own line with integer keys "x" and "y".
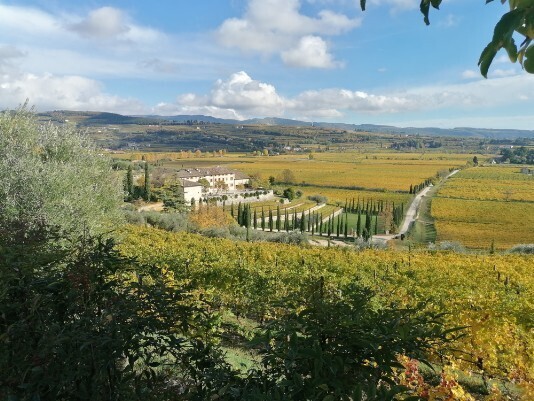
{"x": 312, "y": 60}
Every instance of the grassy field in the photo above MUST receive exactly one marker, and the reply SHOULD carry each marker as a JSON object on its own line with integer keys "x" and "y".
{"x": 484, "y": 204}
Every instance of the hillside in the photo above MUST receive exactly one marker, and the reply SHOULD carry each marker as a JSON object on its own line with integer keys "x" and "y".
{"x": 102, "y": 118}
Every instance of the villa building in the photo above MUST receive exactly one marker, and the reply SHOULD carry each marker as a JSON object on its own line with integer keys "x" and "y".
{"x": 220, "y": 179}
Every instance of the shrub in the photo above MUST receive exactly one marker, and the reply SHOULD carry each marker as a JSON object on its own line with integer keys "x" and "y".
{"x": 53, "y": 176}
{"x": 335, "y": 345}
{"x": 318, "y": 198}
{"x": 166, "y": 221}
{"x": 527, "y": 249}
{"x": 133, "y": 217}
{"x": 74, "y": 326}
{"x": 448, "y": 246}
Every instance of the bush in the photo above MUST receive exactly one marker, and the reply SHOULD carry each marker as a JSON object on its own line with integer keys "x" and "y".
{"x": 74, "y": 326}
{"x": 318, "y": 198}
{"x": 335, "y": 345}
{"x": 527, "y": 249}
{"x": 166, "y": 221}
{"x": 53, "y": 176}
{"x": 447, "y": 246}
{"x": 133, "y": 217}
{"x": 292, "y": 237}
{"x": 289, "y": 193}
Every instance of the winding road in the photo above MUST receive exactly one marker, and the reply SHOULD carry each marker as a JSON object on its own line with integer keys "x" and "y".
{"x": 411, "y": 214}
{"x": 409, "y": 219}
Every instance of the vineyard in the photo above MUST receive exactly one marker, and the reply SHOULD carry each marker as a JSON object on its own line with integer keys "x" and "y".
{"x": 351, "y": 170}
{"x": 482, "y": 205}
{"x": 489, "y": 295}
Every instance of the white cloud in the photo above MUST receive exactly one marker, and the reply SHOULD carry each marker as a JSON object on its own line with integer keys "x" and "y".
{"x": 240, "y": 91}
{"x": 499, "y": 72}
{"x": 8, "y": 56}
{"x": 108, "y": 23}
{"x": 240, "y": 96}
{"x": 27, "y": 21}
{"x": 449, "y": 21}
{"x": 470, "y": 74}
{"x": 49, "y": 92}
{"x": 158, "y": 65}
{"x": 396, "y": 5}
{"x": 311, "y": 52}
{"x": 102, "y": 43}
{"x": 278, "y": 26}
{"x": 102, "y": 23}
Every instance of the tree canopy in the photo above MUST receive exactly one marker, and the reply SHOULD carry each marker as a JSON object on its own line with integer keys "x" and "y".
{"x": 519, "y": 20}
{"x": 52, "y": 176}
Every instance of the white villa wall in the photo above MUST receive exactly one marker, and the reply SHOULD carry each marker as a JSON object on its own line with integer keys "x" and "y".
{"x": 192, "y": 193}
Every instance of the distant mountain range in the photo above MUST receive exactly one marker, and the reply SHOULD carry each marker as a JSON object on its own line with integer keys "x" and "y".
{"x": 100, "y": 118}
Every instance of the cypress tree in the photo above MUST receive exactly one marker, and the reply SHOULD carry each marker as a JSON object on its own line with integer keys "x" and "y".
{"x": 346, "y": 229}
{"x": 255, "y": 221}
{"x": 270, "y": 220}
{"x": 262, "y": 219}
{"x": 239, "y": 214}
{"x": 232, "y": 210}
{"x": 329, "y": 226}
{"x": 302, "y": 222}
{"x": 146, "y": 189}
{"x": 278, "y": 218}
{"x": 332, "y": 224}
{"x": 376, "y": 225}
{"x": 338, "y": 225}
{"x": 359, "y": 224}
{"x": 129, "y": 184}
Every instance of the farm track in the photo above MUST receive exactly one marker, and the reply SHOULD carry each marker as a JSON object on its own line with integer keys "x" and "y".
{"x": 409, "y": 220}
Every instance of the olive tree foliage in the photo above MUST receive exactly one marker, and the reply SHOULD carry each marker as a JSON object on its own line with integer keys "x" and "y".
{"x": 52, "y": 176}
{"x": 518, "y": 20}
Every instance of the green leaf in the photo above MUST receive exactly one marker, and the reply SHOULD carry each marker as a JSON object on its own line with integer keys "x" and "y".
{"x": 507, "y": 25}
{"x": 436, "y": 3}
{"x": 362, "y": 4}
{"x": 528, "y": 64}
{"x": 486, "y": 58}
{"x": 511, "y": 49}
{"x": 425, "y": 9}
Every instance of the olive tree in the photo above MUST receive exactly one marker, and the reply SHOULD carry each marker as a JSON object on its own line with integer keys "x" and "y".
{"x": 518, "y": 20}
{"x": 52, "y": 176}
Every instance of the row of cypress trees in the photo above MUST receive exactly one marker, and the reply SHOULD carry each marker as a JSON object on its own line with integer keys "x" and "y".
{"x": 314, "y": 223}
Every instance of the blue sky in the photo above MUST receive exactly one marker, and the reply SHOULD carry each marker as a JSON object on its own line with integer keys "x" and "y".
{"x": 316, "y": 60}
